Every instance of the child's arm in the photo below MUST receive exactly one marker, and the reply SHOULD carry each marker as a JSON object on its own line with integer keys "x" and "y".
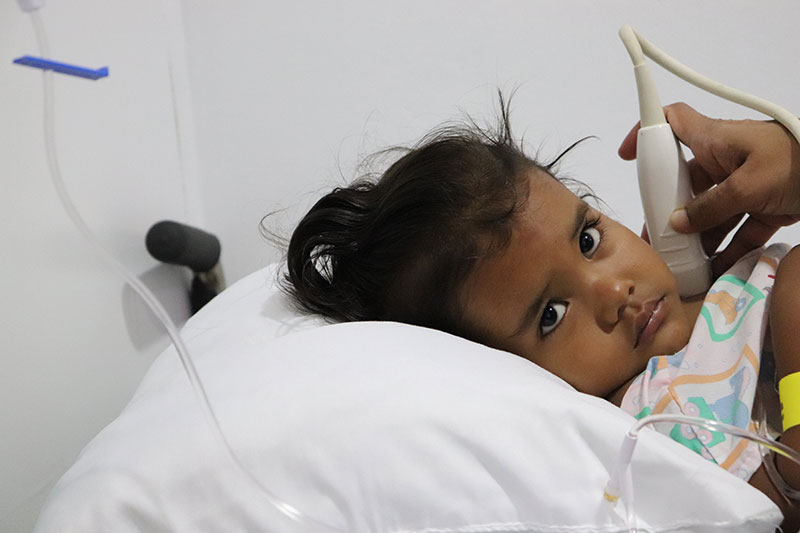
{"x": 784, "y": 317}
{"x": 784, "y": 321}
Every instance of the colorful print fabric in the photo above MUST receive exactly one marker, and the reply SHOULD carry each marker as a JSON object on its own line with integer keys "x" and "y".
{"x": 716, "y": 374}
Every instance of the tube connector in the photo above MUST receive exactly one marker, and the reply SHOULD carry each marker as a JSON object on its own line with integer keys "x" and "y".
{"x": 615, "y": 486}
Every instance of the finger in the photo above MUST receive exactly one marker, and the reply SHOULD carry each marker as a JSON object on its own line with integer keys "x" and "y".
{"x": 778, "y": 220}
{"x": 687, "y": 124}
{"x": 713, "y": 237}
{"x": 627, "y": 150}
{"x": 701, "y": 179}
{"x": 751, "y": 235}
{"x": 713, "y": 207}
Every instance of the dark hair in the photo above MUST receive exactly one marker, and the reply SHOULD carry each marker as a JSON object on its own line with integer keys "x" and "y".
{"x": 400, "y": 247}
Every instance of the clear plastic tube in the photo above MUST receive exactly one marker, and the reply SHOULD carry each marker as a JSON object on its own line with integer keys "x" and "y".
{"x": 716, "y": 425}
{"x": 621, "y": 478}
{"x": 149, "y": 298}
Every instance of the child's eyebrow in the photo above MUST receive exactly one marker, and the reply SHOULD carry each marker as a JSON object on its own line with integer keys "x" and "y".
{"x": 533, "y": 309}
{"x": 580, "y": 218}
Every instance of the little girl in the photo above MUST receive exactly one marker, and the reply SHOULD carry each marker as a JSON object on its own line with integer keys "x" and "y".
{"x": 466, "y": 234}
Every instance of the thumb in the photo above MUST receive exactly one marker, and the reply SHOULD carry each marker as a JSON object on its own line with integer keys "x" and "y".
{"x": 627, "y": 150}
{"x": 709, "y": 209}
{"x": 688, "y": 125}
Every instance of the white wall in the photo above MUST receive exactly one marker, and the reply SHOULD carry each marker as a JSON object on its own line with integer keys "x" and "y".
{"x": 286, "y": 93}
{"x": 75, "y": 342}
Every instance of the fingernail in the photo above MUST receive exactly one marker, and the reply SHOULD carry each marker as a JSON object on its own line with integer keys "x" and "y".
{"x": 679, "y": 221}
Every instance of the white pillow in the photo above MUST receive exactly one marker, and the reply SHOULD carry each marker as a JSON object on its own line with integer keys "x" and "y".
{"x": 377, "y": 427}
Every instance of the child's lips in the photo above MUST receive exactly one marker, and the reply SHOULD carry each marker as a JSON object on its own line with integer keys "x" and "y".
{"x": 648, "y": 321}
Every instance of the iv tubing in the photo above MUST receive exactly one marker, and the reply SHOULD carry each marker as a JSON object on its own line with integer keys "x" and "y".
{"x": 141, "y": 289}
{"x": 621, "y": 478}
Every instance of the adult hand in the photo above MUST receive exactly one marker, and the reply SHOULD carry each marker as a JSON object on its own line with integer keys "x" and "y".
{"x": 739, "y": 167}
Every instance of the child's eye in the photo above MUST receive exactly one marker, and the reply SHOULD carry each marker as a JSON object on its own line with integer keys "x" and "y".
{"x": 551, "y": 317}
{"x": 589, "y": 240}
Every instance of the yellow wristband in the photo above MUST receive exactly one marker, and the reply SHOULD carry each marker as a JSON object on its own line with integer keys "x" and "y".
{"x": 789, "y": 390}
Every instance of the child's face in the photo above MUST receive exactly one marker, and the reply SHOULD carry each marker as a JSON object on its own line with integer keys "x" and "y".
{"x": 574, "y": 292}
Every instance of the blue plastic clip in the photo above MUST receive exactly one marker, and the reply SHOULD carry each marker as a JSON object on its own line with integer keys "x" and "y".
{"x": 63, "y": 68}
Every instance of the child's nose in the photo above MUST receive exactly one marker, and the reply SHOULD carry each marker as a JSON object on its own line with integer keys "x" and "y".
{"x": 612, "y": 296}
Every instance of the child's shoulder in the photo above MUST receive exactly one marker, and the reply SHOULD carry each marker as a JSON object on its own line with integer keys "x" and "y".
{"x": 767, "y": 256}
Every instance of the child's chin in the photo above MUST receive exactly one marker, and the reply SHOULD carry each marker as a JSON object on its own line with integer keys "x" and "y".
{"x": 676, "y": 338}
